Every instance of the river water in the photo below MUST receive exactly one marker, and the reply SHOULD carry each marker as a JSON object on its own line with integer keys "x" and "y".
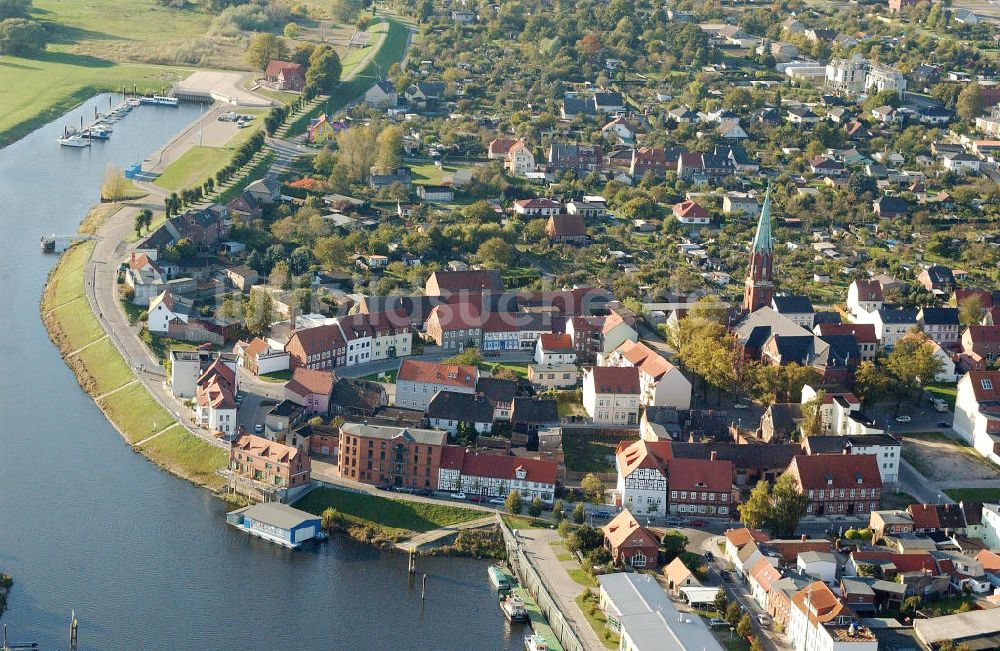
{"x": 145, "y": 559}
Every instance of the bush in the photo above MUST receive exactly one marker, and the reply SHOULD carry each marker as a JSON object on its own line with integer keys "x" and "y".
{"x": 535, "y": 508}
{"x": 580, "y": 514}
{"x": 514, "y": 504}
{"x": 20, "y": 36}
{"x": 600, "y": 556}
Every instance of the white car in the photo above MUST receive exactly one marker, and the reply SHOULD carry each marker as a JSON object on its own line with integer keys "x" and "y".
{"x": 457, "y": 496}
{"x": 903, "y": 419}
{"x": 741, "y": 405}
{"x": 498, "y": 501}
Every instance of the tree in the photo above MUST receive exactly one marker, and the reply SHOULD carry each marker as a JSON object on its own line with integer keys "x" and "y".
{"x": 495, "y": 253}
{"x": 788, "y": 505}
{"x": 259, "y": 311}
{"x": 721, "y": 601}
{"x": 673, "y": 544}
{"x": 323, "y": 72}
{"x": 912, "y": 362}
{"x": 593, "y": 487}
{"x": 514, "y": 502}
{"x": 755, "y": 511}
{"x": 558, "y": 511}
{"x": 535, "y": 508}
{"x": 390, "y": 147}
{"x": 755, "y": 644}
{"x": 579, "y": 513}
{"x": 113, "y": 185}
{"x": 291, "y": 31}
{"x": 970, "y": 310}
{"x": 347, "y": 11}
{"x": 22, "y": 37}
{"x": 812, "y": 415}
{"x": 745, "y": 627}
{"x": 143, "y": 220}
{"x": 264, "y": 48}
{"x": 733, "y": 614}
{"x": 14, "y": 9}
{"x": 590, "y": 44}
{"x": 870, "y": 383}
{"x": 969, "y": 105}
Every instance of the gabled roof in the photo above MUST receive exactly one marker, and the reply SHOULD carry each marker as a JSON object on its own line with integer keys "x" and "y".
{"x": 259, "y": 446}
{"x": 497, "y": 390}
{"x": 556, "y": 343}
{"x": 643, "y": 454}
{"x": 411, "y": 370}
{"x": 939, "y": 315}
{"x": 700, "y": 474}
{"x": 568, "y": 225}
{"x": 785, "y": 304}
{"x": 625, "y": 529}
{"x": 863, "y": 333}
{"x": 533, "y": 411}
{"x": 354, "y": 393}
{"x": 837, "y": 471}
{"x": 821, "y": 604}
{"x": 498, "y": 466}
{"x": 869, "y": 290}
{"x": 460, "y": 407}
{"x": 307, "y": 381}
{"x": 764, "y": 573}
{"x": 690, "y": 210}
{"x": 616, "y": 380}
{"x": 677, "y": 572}
{"x": 275, "y": 66}
{"x": 387, "y": 433}
{"x": 741, "y": 537}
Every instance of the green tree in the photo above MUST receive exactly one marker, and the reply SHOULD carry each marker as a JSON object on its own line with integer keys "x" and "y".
{"x": 514, "y": 503}
{"x": 755, "y": 644}
{"x": 580, "y": 513}
{"x": 347, "y": 11}
{"x": 558, "y": 511}
{"x": 912, "y": 363}
{"x": 14, "y": 9}
{"x": 593, "y": 487}
{"x": 788, "y": 505}
{"x": 755, "y": 511}
{"x": 870, "y": 383}
{"x": 733, "y": 614}
{"x": 535, "y": 508}
{"x": 969, "y": 105}
{"x": 21, "y": 37}
{"x": 812, "y": 415}
{"x": 970, "y": 310}
{"x": 744, "y": 627}
{"x": 258, "y": 312}
{"x": 263, "y": 48}
{"x": 495, "y": 253}
{"x": 390, "y": 148}
{"x": 291, "y": 31}
{"x": 673, "y": 544}
{"x": 721, "y": 601}
{"x": 323, "y": 73}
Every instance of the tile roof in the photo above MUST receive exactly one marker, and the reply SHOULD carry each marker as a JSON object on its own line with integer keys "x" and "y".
{"x": 764, "y": 574}
{"x": 533, "y": 411}
{"x": 985, "y": 386}
{"x": 259, "y": 446}
{"x": 616, "y": 380}
{"x": 864, "y": 333}
{"x": 840, "y": 471}
{"x": 568, "y": 225}
{"x": 822, "y": 604}
{"x": 690, "y": 210}
{"x": 501, "y": 466}
{"x": 643, "y": 454}
{"x": 624, "y": 528}
{"x": 306, "y": 381}
{"x": 793, "y": 304}
{"x": 869, "y": 290}
{"x": 462, "y": 315}
{"x": 461, "y": 407}
{"x": 740, "y": 537}
{"x": 387, "y": 433}
{"x": 411, "y": 370}
{"x": 700, "y": 474}
{"x": 558, "y": 343}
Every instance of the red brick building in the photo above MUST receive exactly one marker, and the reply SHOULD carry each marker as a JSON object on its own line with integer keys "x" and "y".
{"x": 630, "y": 543}
{"x": 838, "y": 484}
{"x": 702, "y": 487}
{"x": 270, "y": 463}
{"x": 399, "y": 456}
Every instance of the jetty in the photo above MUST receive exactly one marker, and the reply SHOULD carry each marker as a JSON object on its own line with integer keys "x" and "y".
{"x": 59, "y": 243}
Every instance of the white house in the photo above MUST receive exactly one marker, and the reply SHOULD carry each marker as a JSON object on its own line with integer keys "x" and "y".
{"x": 496, "y": 475}
{"x": 642, "y": 477}
{"x": 891, "y": 325}
{"x": 417, "y": 381}
{"x": 662, "y": 384}
{"x": 818, "y": 565}
{"x": 819, "y": 621}
{"x": 960, "y": 163}
{"x": 864, "y": 296}
{"x": 947, "y": 372}
{"x": 167, "y": 308}
{"x": 743, "y": 203}
{"x": 555, "y": 350}
{"x": 991, "y": 526}
{"x": 382, "y": 95}
{"x": 977, "y": 412}
{"x": 611, "y": 394}
{"x": 520, "y": 161}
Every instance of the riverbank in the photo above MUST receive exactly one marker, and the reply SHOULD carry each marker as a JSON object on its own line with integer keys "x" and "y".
{"x": 103, "y": 374}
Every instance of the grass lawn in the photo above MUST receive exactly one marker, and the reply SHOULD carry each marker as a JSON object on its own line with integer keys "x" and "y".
{"x": 186, "y": 455}
{"x": 106, "y": 366}
{"x": 896, "y": 500}
{"x": 589, "y": 453}
{"x": 161, "y": 346}
{"x": 431, "y": 174}
{"x": 277, "y": 376}
{"x": 583, "y": 577}
{"x": 524, "y": 522}
{"x": 194, "y": 167}
{"x": 947, "y": 392}
{"x": 131, "y": 310}
{"x": 136, "y": 413}
{"x": 96, "y": 215}
{"x": 519, "y": 370}
{"x": 350, "y": 60}
{"x": 388, "y": 377}
{"x": 78, "y": 324}
{"x": 973, "y": 494}
{"x": 597, "y": 619}
{"x": 389, "y": 513}
{"x": 67, "y": 283}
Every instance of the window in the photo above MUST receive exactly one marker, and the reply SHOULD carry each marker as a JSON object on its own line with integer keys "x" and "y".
{"x": 673, "y": 495}
{"x": 987, "y": 384}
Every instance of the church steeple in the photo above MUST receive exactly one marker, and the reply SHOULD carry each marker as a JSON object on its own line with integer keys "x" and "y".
{"x": 759, "y": 287}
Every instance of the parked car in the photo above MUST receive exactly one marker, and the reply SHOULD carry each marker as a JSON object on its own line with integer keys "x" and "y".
{"x": 697, "y": 523}
{"x": 726, "y": 576}
{"x": 764, "y": 619}
{"x": 477, "y": 498}
{"x": 903, "y": 419}
{"x": 740, "y": 405}
{"x": 258, "y": 428}
{"x": 498, "y": 501}
{"x": 601, "y": 515}
{"x": 709, "y": 556}
{"x": 673, "y": 522}
{"x": 943, "y": 425}
{"x": 457, "y": 496}
{"x": 716, "y": 621}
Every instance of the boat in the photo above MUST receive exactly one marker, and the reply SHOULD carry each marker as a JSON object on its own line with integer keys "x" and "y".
{"x": 499, "y": 579}
{"x": 73, "y": 138}
{"x": 133, "y": 101}
{"x": 535, "y": 642}
{"x": 158, "y": 100}
{"x": 513, "y": 609}
{"x": 97, "y": 133}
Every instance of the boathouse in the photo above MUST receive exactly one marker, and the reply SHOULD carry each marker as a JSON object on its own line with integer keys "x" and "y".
{"x": 276, "y": 522}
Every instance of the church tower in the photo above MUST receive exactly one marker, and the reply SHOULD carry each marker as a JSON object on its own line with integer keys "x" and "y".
{"x": 759, "y": 288}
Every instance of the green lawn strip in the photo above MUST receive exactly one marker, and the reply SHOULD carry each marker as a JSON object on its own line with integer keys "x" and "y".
{"x": 161, "y": 346}
{"x": 392, "y": 50}
{"x": 538, "y": 622}
{"x": 389, "y": 513}
{"x": 277, "y": 376}
{"x": 524, "y": 522}
{"x": 376, "y": 27}
{"x": 947, "y": 392}
{"x": 431, "y": 174}
{"x": 387, "y": 377}
{"x": 194, "y": 167}
{"x": 583, "y": 577}
{"x": 131, "y": 310}
{"x": 78, "y": 324}
{"x": 973, "y": 494}
{"x": 136, "y": 413}
{"x": 184, "y": 454}
{"x": 587, "y": 452}
{"x": 520, "y": 370}
{"x": 106, "y": 366}
{"x": 598, "y": 621}
{"x": 256, "y": 171}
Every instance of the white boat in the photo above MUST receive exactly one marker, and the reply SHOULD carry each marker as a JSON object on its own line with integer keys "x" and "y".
{"x": 535, "y": 642}
{"x": 159, "y": 100}
{"x": 97, "y": 133}
{"x": 513, "y": 609}
{"x": 133, "y": 101}
{"x": 74, "y": 140}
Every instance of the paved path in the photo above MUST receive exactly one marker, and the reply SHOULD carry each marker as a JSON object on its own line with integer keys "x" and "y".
{"x": 563, "y": 588}
{"x": 923, "y": 489}
{"x": 429, "y": 537}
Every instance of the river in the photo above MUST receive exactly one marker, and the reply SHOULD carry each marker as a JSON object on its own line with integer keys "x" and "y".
{"x": 145, "y": 559}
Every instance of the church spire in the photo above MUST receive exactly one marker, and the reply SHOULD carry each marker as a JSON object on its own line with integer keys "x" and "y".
{"x": 759, "y": 287}
{"x": 763, "y": 241}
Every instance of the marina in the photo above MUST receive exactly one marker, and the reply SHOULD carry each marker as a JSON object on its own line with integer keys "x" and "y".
{"x": 101, "y": 128}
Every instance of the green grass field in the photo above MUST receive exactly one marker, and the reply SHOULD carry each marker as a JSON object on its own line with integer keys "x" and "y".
{"x": 597, "y": 619}
{"x": 78, "y": 324}
{"x": 184, "y": 454}
{"x": 947, "y": 392}
{"x": 431, "y": 174}
{"x": 106, "y": 366}
{"x": 388, "y": 513}
{"x": 973, "y": 494}
{"x": 587, "y": 453}
{"x": 194, "y": 167}
{"x": 136, "y": 413}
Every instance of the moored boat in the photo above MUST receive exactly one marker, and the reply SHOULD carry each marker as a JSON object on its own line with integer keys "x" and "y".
{"x": 513, "y": 609}
{"x": 72, "y": 138}
{"x": 499, "y": 579}
{"x": 535, "y": 642}
{"x": 97, "y": 133}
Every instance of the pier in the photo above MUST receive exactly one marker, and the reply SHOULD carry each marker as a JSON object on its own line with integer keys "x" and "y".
{"x": 59, "y": 243}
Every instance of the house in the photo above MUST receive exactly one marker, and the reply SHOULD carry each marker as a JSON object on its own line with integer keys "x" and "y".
{"x": 620, "y": 128}
{"x": 453, "y": 410}
{"x": 567, "y": 229}
{"x": 690, "y": 213}
{"x": 739, "y": 542}
{"x": 382, "y": 95}
{"x": 455, "y": 326}
{"x": 941, "y": 325}
{"x": 463, "y": 17}
{"x": 938, "y": 279}
{"x": 893, "y": 522}
{"x": 661, "y": 383}
{"x": 761, "y": 577}
{"x": 496, "y": 475}
{"x": 447, "y": 283}
{"x": 960, "y": 163}
{"x": 731, "y": 130}
{"x": 863, "y": 334}
{"x": 864, "y": 297}
{"x": 260, "y": 358}
{"x": 977, "y": 412}
{"x": 887, "y": 207}
{"x": 555, "y": 349}
{"x": 641, "y": 467}
{"x": 630, "y": 543}
{"x": 500, "y": 393}
{"x": 573, "y": 106}
{"x": 312, "y": 389}
{"x": 982, "y": 341}
{"x": 424, "y": 94}
{"x": 827, "y": 167}
{"x": 598, "y": 334}
{"x": 519, "y": 160}
{"x": 498, "y": 148}
{"x": 436, "y": 193}
{"x": 242, "y": 277}
{"x": 741, "y": 203}
{"x": 215, "y": 398}
{"x": 702, "y": 486}
{"x": 611, "y": 395}
{"x": 285, "y": 75}
{"x": 609, "y": 102}
{"x": 798, "y": 309}
{"x": 276, "y": 522}
{"x": 417, "y": 381}
{"x": 270, "y": 464}
{"x": 381, "y": 179}
{"x": 977, "y": 629}
{"x": 801, "y": 115}
{"x": 536, "y": 207}
{"x": 188, "y": 367}
{"x": 679, "y": 576}
{"x": 576, "y": 157}
{"x": 780, "y": 422}
{"x": 819, "y": 621}
{"x": 166, "y": 309}
{"x": 838, "y": 484}
{"x": 891, "y": 324}
{"x": 353, "y": 398}
{"x": 817, "y": 565}
{"x": 323, "y": 129}
{"x": 399, "y": 456}
{"x": 530, "y": 415}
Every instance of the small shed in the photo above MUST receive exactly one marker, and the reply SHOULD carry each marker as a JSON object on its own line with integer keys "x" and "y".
{"x": 276, "y": 522}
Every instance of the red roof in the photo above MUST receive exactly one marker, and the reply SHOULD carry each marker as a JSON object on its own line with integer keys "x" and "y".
{"x": 910, "y": 562}
{"x": 836, "y": 471}
{"x": 498, "y": 466}
{"x": 318, "y": 339}
{"x": 501, "y": 145}
{"x": 985, "y": 385}
{"x": 864, "y": 333}
{"x": 556, "y": 342}
{"x": 643, "y": 454}
{"x": 612, "y": 379}
{"x": 452, "y": 457}
{"x": 567, "y": 226}
{"x": 700, "y": 474}
{"x": 984, "y": 334}
{"x": 456, "y": 375}
{"x": 690, "y": 210}
{"x": 624, "y": 528}
{"x": 528, "y": 204}
{"x": 869, "y": 290}
{"x": 458, "y": 316}
{"x": 985, "y": 297}
{"x": 274, "y": 67}
{"x": 306, "y": 381}
{"x": 740, "y": 537}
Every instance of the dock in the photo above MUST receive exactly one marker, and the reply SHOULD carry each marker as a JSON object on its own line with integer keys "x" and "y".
{"x": 59, "y": 243}
{"x": 428, "y": 538}
{"x": 536, "y": 619}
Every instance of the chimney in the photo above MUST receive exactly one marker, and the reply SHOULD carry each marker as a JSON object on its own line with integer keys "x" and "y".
{"x": 845, "y": 451}
{"x": 804, "y": 538}
{"x": 714, "y": 455}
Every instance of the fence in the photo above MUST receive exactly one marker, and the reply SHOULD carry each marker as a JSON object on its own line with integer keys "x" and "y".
{"x": 531, "y": 579}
